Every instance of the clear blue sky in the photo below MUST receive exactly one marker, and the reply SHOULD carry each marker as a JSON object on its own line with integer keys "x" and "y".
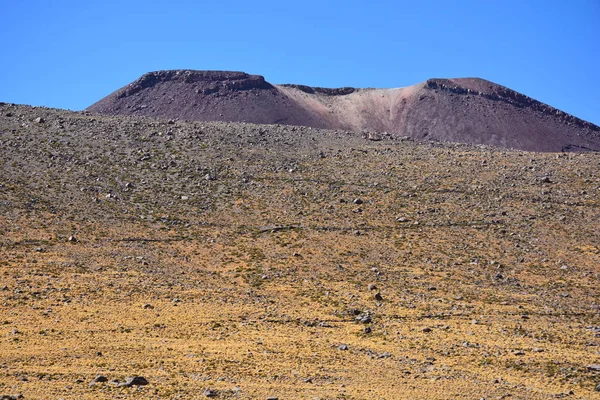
{"x": 69, "y": 54}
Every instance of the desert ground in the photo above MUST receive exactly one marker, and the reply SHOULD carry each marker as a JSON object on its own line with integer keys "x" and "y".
{"x": 232, "y": 260}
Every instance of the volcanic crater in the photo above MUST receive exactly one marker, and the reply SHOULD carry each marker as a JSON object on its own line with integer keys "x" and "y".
{"x": 463, "y": 110}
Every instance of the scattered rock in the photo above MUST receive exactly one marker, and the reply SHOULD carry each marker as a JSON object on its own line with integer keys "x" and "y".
{"x": 372, "y": 287}
{"x": 272, "y": 398}
{"x": 39, "y": 120}
{"x": 134, "y": 381}
{"x": 357, "y": 201}
{"x": 364, "y": 318}
{"x": 148, "y": 306}
{"x": 402, "y": 219}
{"x": 12, "y": 397}
{"x": 426, "y": 330}
{"x": 593, "y": 367}
{"x": 210, "y": 393}
{"x": 378, "y": 296}
{"x": 367, "y": 330}
{"x": 99, "y": 379}
{"x": 537, "y": 350}
{"x": 72, "y": 239}
{"x": 519, "y": 353}
{"x": 343, "y": 347}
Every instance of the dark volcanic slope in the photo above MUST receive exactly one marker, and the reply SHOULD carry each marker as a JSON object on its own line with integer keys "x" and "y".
{"x": 467, "y": 110}
{"x": 206, "y": 96}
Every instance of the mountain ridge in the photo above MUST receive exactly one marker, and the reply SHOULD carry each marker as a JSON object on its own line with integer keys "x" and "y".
{"x": 465, "y": 110}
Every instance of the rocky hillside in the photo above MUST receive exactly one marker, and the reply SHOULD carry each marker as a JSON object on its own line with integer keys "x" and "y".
{"x": 466, "y": 110}
{"x": 152, "y": 258}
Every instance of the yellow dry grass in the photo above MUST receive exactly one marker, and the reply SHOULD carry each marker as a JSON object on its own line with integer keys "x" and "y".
{"x": 490, "y": 285}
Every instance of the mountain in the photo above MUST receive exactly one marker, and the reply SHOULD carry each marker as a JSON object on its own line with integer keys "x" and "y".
{"x": 464, "y": 110}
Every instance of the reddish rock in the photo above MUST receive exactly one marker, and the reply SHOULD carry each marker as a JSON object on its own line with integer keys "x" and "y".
{"x": 465, "y": 110}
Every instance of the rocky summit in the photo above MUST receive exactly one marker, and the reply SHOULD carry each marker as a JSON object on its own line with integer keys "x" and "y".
{"x": 465, "y": 110}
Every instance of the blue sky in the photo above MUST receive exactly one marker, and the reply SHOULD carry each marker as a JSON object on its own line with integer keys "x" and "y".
{"x": 69, "y": 54}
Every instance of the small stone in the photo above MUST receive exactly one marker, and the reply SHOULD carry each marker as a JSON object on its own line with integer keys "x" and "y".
{"x": 597, "y": 388}
{"x": 11, "y": 397}
{"x": 519, "y": 353}
{"x": 365, "y": 319}
{"x": 210, "y": 393}
{"x": 148, "y": 306}
{"x": 426, "y": 330}
{"x": 367, "y": 330}
{"x": 372, "y": 287}
{"x": 402, "y": 219}
{"x": 72, "y": 239}
{"x": 134, "y": 381}
{"x": 378, "y": 296}
{"x": 537, "y": 350}
{"x": 185, "y": 197}
{"x": 39, "y": 120}
{"x": 272, "y": 398}
{"x": 593, "y": 367}
{"x": 99, "y": 379}
{"x": 343, "y": 347}
{"x": 357, "y": 201}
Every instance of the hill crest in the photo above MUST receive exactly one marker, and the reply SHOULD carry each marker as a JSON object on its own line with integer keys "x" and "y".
{"x": 465, "y": 110}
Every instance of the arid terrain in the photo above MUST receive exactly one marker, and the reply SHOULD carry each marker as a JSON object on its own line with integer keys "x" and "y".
{"x": 467, "y": 110}
{"x": 233, "y": 260}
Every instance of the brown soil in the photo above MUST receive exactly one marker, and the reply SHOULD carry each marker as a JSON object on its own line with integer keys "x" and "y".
{"x": 467, "y": 110}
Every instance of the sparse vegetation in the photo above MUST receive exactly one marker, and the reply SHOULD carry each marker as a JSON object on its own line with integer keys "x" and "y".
{"x": 260, "y": 279}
